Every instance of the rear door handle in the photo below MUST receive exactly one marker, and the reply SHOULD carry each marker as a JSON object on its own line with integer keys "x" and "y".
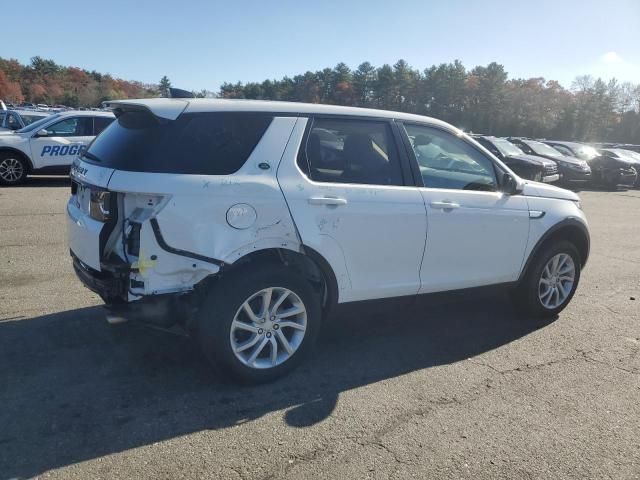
{"x": 327, "y": 201}
{"x": 445, "y": 205}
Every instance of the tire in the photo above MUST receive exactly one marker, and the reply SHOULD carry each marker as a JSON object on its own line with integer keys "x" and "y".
{"x": 222, "y": 311}
{"x": 13, "y": 169}
{"x": 531, "y": 296}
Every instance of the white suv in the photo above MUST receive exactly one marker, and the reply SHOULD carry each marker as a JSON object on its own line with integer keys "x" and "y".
{"x": 248, "y": 221}
{"x": 48, "y": 145}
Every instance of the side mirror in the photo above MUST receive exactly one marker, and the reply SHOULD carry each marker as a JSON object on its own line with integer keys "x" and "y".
{"x": 511, "y": 185}
{"x": 42, "y": 133}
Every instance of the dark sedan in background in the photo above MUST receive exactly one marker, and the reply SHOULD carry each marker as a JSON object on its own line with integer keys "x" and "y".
{"x": 608, "y": 168}
{"x": 526, "y": 166}
{"x": 572, "y": 170}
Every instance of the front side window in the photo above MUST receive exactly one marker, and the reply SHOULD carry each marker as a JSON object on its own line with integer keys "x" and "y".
{"x": 72, "y": 127}
{"x": 351, "y": 151}
{"x": 447, "y": 161}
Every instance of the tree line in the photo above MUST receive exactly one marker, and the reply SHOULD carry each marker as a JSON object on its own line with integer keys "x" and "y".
{"x": 44, "y": 81}
{"x": 483, "y": 99}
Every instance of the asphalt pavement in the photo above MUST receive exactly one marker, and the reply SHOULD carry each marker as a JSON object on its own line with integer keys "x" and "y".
{"x": 407, "y": 390}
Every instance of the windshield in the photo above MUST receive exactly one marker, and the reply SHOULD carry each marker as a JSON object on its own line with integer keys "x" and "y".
{"x": 39, "y": 124}
{"x": 586, "y": 152}
{"x": 624, "y": 154}
{"x": 506, "y": 147}
{"x": 543, "y": 149}
{"x": 29, "y": 119}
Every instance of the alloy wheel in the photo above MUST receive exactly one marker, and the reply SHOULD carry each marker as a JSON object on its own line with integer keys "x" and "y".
{"x": 11, "y": 170}
{"x": 268, "y": 328}
{"x": 556, "y": 281}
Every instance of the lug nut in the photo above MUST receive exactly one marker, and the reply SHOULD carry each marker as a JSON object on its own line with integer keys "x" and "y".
{"x": 260, "y": 331}
{"x": 276, "y": 326}
{"x": 273, "y": 318}
{"x": 268, "y": 334}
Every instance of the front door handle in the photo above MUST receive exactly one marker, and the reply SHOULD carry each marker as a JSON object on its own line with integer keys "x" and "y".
{"x": 445, "y": 205}
{"x": 327, "y": 201}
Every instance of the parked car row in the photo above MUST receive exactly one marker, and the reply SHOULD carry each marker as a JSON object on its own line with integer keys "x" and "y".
{"x": 567, "y": 163}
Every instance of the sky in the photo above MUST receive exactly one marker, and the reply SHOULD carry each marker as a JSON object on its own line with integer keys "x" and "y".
{"x": 200, "y": 44}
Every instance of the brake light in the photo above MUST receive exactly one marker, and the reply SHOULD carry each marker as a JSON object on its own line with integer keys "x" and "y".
{"x": 100, "y": 205}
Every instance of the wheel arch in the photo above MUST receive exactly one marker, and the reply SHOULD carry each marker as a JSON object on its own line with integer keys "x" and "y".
{"x": 570, "y": 229}
{"x": 308, "y": 262}
{"x": 20, "y": 153}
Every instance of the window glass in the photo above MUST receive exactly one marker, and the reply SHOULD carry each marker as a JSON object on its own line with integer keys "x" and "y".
{"x": 35, "y": 126}
{"x": 216, "y": 143}
{"x": 563, "y": 150}
{"x": 72, "y": 127}
{"x": 543, "y": 148}
{"x": 13, "y": 121}
{"x": 506, "y": 147}
{"x": 100, "y": 123}
{"x": 351, "y": 151}
{"x": 447, "y": 161}
{"x": 586, "y": 153}
{"x": 29, "y": 119}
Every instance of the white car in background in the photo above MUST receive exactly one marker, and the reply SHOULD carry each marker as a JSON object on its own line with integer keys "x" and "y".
{"x": 11, "y": 120}
{"x": 49, "y": 145}
{"x": 248, "y": 221}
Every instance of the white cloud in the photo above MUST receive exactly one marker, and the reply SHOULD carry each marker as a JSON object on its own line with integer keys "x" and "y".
{"x": 611, "y": 57}
{"x": 613, "y": 65}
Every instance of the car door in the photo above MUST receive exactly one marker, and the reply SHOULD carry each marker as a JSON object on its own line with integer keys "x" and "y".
{"x": 352, "y": 202}
{"x": 62, "y": 143}
{"x": 476, "y": 235}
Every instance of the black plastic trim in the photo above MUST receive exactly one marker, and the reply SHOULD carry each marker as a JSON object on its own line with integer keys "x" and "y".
{"x": 176, "y": 251}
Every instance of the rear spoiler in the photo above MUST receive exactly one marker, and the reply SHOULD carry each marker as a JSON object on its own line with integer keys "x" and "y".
{"x": 162, "y": 108}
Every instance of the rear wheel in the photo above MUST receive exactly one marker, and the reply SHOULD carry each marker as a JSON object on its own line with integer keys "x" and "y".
{"x": 259, "y": 324}
{"x": 550, "y": 281}
{"x": 13, "y": 169}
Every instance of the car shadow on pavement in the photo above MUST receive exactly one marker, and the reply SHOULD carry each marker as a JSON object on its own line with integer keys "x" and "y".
{"x": 74, "y": 388}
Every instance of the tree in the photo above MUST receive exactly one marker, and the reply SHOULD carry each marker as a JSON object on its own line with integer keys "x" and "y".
{"x": 10, "y": 91}
{"x": 163, "y": 86}
{"x": 364, "y": 81}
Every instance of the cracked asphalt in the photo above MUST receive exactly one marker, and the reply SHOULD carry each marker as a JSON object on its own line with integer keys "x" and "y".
{"x": 401, "y": 390}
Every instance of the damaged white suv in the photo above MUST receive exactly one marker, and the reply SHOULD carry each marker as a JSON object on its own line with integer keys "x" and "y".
{"x": 247, "y": 222}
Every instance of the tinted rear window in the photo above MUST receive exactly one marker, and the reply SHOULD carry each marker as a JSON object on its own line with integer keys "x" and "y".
{"x": 196, "y": 143}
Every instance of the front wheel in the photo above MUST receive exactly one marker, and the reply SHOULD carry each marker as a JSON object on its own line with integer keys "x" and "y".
{"x": 13, "y": 169}
{"x": 550, "y": 282}
{"x": 259, "y": 324}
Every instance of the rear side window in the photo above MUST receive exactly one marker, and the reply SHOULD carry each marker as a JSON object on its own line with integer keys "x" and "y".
{"x": 216, "y": 143}
{"x": 351, "y": 151}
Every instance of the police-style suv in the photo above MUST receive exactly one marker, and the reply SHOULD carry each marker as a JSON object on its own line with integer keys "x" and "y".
{"x": 49, "y": 145}
{"x": 248, "y": 221}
